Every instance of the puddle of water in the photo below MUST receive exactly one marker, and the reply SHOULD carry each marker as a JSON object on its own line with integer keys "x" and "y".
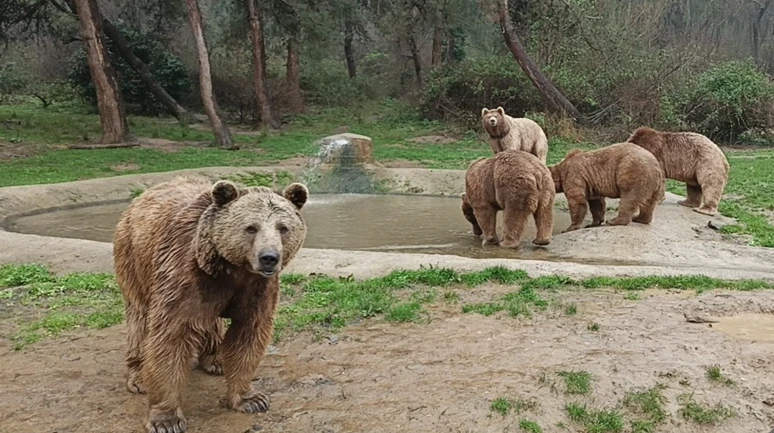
{"x": 747, "y": 326}
{"x": 391, "y": 223}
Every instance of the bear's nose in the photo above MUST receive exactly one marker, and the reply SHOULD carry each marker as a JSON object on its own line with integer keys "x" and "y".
{"x": 269, "y": 259}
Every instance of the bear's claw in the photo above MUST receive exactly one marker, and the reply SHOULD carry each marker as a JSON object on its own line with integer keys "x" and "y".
{"x": 165, "y": 423}
{"x": 257, "y": 402}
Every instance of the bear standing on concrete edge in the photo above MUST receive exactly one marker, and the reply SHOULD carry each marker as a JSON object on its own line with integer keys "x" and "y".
{"x": 517, "y": 183}
{"x": 188, "y": 253}
{"x": 511, "y": 133}
{"x": 621, "y": 170}
{"x": 691, "y": 158}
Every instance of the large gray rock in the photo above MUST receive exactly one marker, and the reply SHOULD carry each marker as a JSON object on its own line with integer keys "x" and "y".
{"x": 345, "y": 149}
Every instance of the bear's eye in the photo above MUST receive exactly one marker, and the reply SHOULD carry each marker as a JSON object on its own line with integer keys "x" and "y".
{"x": 251, "y": 230}
{"x": 283, "y": 229}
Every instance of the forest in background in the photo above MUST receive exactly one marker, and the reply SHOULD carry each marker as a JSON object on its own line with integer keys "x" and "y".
{"x": 700, "y": 65}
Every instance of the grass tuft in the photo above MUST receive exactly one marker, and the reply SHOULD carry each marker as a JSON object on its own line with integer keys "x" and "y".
{"x": 576, "y": 382}
{"x": 529, "y": 426}
{"x": 702, "y": 414}
{"x": 593, "y": 420}
{"x": 648, "y": 406}
{"x": 715, "y": 374}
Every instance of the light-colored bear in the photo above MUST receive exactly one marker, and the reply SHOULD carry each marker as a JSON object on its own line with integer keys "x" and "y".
{"x": 511, "y": 133}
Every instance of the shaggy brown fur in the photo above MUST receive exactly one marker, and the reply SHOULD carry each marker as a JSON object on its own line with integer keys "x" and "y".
{"x": 517, "y": 183}
{"x": 622, "y": 171}
{"x": 188, "y": 253}
{"x": 691, "y": 158}
{"x": 509, "y": 133}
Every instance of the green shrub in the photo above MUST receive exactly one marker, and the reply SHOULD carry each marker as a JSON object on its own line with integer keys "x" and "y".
{"x": 167, "y": 68}
{"x": 725, "y": 101}
{"x": 459, "y": 92}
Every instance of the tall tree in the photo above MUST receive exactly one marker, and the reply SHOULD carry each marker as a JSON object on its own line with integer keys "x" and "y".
{"x": 349, "y": 51}
{"x": 554, "y": 97}
{"x": 115, "y": 128}
{"x": 219, "y": 126}
{"x": 254, "y": 15}
{"x": 293, "y": 66}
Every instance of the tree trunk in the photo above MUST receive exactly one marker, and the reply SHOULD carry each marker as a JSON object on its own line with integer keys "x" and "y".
{"x": 756, "y": 31}
{"x": 415, "y": 58}
{"x": 293, "y": 75}
{"x": 349, "y": 52}
{"x": 540, "y": 81}
{"x": 435, "y": 58}
{"x": 259, "y": 64}
{"x": 115, "y": 129}
{"x": 173, "y": 107}
{"x": 219, "y": 127}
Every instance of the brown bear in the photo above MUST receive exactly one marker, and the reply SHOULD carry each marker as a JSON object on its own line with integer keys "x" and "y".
{"x": 187, "y": 253}
{"x": 506, "y": 132}
{"x": 622, "y": 170}
{"x": 691, "y": 158}
{"x": 517, "y": 183}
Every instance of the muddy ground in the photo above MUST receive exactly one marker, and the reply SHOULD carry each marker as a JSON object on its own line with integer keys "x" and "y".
{"x": 439, "y": 376}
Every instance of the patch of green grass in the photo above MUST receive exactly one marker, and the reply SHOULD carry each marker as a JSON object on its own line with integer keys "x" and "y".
{"x": 576, "y": 382}
{"x": 530, "y": 426}
{"x": 448, "y": 296}
{"x": 571, "y": 310}
{"x": 632, "y": 296}
{"x": 271, "y": 180}
{"x": 703, "y": 414}
{"x": 518, "y": 303}
{"x": 715, "y": 374}
{"x": 678, "y": 282}
{"x": 595, "y": 421}
{"x": 648, "y": 406}
{"x": 21, "y": 275}
{"x": 593, "y": 327}
{"x": 496, "y": 274}
{"x": 136, "y": 192}
{"x": 503, "y": 405}
{"x": 404, "y": 312}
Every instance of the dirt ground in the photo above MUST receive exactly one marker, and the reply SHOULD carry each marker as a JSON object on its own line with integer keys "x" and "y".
{"x": 441, "y": 375}
{"x": 430, "y": 377}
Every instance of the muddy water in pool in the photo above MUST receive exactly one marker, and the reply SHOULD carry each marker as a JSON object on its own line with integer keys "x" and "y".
{"x": 397, "y": 223}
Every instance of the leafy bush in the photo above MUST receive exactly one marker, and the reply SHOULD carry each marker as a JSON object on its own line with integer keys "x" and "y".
{"x": 724, "y": 102}
{"x": 167, "y": 68}
{"x": 326, "y": 82}
{"x": 460, "y": 92}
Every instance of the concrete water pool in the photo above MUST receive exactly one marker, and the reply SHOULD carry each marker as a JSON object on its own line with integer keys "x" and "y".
{"x": 395, "y": 223}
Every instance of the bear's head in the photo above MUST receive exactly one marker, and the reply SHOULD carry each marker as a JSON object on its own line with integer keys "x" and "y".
{"x": 467, "y": 211}
{"x": 254, "y": 228}
{"x": 493, "y": 118}
{"x": 559, "y": 168}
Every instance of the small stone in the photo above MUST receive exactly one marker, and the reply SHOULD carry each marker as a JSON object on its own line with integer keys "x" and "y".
{"x": 333, "y": 339}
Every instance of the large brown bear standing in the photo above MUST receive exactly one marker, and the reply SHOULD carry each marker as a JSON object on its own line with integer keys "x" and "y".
{"x": 517, "y": 183}
{"x": 622, "y": 170}
{"x": 188, "y": 253}
{"x": 511, "y": 133}
{"x": 691, "y": 158}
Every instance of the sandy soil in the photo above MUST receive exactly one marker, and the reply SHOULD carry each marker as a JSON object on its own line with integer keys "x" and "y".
{"x": 380, "y": 377}
{"x": 435, "y": 376}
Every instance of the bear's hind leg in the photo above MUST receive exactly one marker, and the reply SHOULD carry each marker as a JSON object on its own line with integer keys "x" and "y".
{"x": 693, "y": 199}
{"x": 135, "y": 335}
{"x": 168, "y": 351}
{"x": 712, "y": 185}
{"x": 487, "y": 220}
{"x": 544, "y": 221}
{"x": 598, "y": 208}
{"x": 578, "y": 207}
{"x": 243, "y": 348}
{"x": 647, "y": 209}
{"x": 209, "y": 361}
{"x": 627, "y": 207}
{"x": 514, "y": 221}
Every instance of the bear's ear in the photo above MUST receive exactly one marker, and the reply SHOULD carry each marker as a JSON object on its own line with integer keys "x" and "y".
{"x": 501, "y": 111}
{"x": 484, "y": 111}
{"x": 224, "y": 192}
{"x": 296, "y": 193}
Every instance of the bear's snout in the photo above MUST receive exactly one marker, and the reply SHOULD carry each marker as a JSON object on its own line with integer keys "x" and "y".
{"x": 268, "y": 261}
{"x": 493, "y": 121}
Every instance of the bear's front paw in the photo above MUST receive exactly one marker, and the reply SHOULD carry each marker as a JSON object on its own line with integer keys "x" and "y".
{"x": 510, "y": 244}
{"x": 542, "y": 242}
{"x": 166, "y": 422}
{"x": 493, "y": 241}
{"x": 593, "y": 224}
{"x": 252, "y": 402}
{"x": 572, "y": 228}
